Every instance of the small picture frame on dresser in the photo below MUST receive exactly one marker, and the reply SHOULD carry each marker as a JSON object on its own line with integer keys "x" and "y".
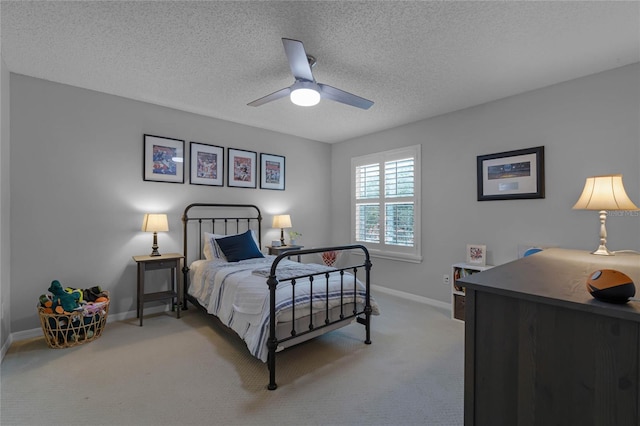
{"x": 476, "y": 254}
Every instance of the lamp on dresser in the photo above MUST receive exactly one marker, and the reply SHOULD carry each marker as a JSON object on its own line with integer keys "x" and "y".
{"x": 604, "y": 193}
{"x": 155, "y": 223}
{"x": 281, "y": 221}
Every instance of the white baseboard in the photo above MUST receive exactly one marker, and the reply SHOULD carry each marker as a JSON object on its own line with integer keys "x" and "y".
{"x": 6, "y": 347}
{"x": 414, "y": 297}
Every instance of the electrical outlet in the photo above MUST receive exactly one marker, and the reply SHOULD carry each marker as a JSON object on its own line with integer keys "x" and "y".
{"x": 445, "y": 279}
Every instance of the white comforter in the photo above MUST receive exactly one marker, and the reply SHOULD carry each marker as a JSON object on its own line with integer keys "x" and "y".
{"x": 237, "y": 293}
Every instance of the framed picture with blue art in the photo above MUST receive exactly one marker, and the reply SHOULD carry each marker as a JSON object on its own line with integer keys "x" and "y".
{"x": 272, "y": 172}
{"x": 163, "y": 159}
{"x": 207, "y": 164}
{"x": 511, "y": 175}
{"x": 241, "y": 168}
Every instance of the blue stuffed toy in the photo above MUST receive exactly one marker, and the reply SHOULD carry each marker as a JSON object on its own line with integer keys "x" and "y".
{"x": 63, "y": 301}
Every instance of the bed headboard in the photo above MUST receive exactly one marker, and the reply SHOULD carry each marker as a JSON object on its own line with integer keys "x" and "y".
{"x": 225, "y": 219}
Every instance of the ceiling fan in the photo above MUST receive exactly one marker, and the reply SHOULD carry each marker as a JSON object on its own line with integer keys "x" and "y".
{"x": 306, "y": 91}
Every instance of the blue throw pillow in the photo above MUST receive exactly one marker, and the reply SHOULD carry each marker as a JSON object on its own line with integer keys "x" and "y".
{"x": 239, "y": 247}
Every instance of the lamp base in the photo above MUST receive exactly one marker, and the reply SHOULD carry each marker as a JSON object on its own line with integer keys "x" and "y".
{"x": 603, "y": 251}
{"x": 154, "y": 247}
{"x": 602, "y": 248}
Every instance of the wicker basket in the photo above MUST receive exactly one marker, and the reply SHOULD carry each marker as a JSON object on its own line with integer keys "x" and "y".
{"x": 75, "y": 328}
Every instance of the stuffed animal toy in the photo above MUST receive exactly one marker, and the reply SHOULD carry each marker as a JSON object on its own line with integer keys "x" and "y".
{"x": 62, "y": 301}
{"x": 93, "y": 293}
{"x": 80, "y": 293}
{"x": 46, "y": 303}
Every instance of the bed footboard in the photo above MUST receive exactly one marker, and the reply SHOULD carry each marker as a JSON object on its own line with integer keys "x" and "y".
{"x": 348, "y": 312}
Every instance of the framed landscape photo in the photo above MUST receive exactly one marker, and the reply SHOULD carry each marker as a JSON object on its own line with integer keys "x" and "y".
{"x": 242, "y": 168}
{"x": 511, "y": 175}
{"x": 476, "y": 254}
{"x": 163, "y": 159}
{"x": 207, "y": 164}
{"x": 272, "y": 172}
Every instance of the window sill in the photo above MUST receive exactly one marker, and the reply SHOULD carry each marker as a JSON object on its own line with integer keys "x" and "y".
{"x": 402, "y": 257}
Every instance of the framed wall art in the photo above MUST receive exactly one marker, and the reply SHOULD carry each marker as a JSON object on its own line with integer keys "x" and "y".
{"x": 242, "y": 168}
{"x": 206, "y": 164}
{"x": 272, "y": 172}
{"x": 163, "y": 159}
{"x": 476, "y": 254}
{"x": 511, "y": 175}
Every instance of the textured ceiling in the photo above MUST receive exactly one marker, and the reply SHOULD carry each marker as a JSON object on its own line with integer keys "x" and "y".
{"x": 413, "y": 59}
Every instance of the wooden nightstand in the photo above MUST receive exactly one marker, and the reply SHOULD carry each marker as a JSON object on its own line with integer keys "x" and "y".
{"x": 279, "y": 250}
{"x": 151, "y": 263}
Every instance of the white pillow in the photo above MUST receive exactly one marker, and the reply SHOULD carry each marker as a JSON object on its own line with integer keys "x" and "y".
{"x": 211, "y": 250}
{"x": 209, "y": 244}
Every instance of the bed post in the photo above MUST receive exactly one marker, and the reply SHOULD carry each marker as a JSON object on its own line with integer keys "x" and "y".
{"x": 366, "y": 321}
{"x": 272, "y": 342}
{"x": 367, "y": 299}
{"x": 185, "y": 268}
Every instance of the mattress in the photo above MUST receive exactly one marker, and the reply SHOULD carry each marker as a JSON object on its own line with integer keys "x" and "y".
{"x": 237, "y": 293}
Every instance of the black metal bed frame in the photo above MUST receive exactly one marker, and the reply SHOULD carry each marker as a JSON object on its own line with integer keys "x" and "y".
{"x": 362, "y": 315}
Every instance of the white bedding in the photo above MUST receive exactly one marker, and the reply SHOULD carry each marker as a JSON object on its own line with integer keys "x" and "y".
{"x": 240, "y": 298}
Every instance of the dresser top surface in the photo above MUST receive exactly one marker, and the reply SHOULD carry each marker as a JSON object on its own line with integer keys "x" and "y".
{"x": 558, "y": 277}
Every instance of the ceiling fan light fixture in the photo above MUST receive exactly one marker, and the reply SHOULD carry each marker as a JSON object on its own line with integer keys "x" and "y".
{"x": 306, "y": 91}
{"x": 305, "y": 94}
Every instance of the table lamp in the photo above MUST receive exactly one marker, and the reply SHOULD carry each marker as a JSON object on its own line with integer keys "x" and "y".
{"x": 604, "y": 193}
{"x": 155, "y": 223}
{"x": 281, "y": 221}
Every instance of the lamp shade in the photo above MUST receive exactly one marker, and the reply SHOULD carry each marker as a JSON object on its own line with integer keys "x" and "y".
{"x": 281, "y": 221}
{"x": 604, "y": 193}
{"x": 155, "y": 223}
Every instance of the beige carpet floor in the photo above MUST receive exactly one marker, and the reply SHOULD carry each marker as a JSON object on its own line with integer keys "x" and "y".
{"x": 193, "y": 371}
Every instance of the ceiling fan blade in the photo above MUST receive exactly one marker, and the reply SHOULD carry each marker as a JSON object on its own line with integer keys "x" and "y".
{"x": 329, "y": 92}
{"x": 272, "y": 97}
{"x": 298, "y": 61}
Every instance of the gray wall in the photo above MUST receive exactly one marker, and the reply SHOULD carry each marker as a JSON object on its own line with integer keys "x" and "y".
{"x": 589, "y": 126}
{"x": 5, "y": 228}
{"x": 77, "y": 195}
{"x": 78, "y": 198}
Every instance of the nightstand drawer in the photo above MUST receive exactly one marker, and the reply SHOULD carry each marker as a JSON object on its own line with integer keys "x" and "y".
{"x": 164, "y": 264}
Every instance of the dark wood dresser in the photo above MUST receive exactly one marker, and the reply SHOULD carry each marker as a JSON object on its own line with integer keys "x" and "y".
{"x": 540, "y": 350}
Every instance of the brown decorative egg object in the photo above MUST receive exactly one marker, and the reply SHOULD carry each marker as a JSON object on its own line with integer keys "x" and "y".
{"x": 611, "y": 286}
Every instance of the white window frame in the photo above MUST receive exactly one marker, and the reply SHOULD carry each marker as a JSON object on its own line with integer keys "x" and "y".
{"x": 381, "y": 249}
